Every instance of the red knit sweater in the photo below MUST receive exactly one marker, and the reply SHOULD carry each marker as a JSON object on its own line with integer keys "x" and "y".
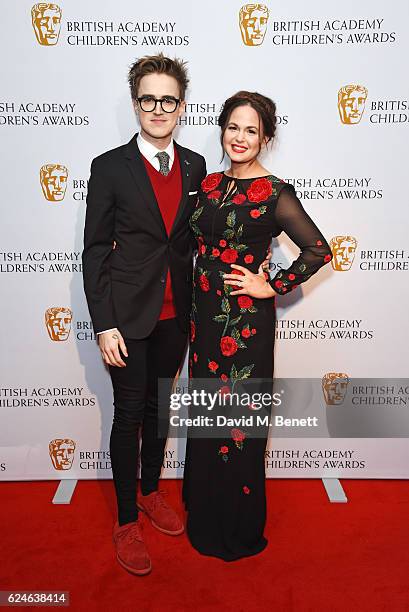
{"x": 168, "y": 193}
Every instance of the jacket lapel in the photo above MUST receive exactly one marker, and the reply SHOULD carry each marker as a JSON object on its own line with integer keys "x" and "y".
{"x": 185, "y": 171}
{"x": 137, "y": 168}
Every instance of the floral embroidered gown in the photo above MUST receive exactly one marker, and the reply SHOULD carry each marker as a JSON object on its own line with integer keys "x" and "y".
{"x": 232, "y": 338}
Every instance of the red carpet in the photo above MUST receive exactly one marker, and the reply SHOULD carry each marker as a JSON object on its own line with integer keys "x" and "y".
{"x": 320, "y": 557}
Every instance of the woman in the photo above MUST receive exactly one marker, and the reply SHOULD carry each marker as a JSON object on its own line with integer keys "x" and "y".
{"x": 233, "y": 320}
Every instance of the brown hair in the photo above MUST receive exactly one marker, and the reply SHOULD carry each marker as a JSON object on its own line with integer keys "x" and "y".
{"x": 161, "y": 65}
{"x": 265, "y": 108}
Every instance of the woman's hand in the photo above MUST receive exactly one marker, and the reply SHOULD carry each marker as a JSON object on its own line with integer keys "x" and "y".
{"x": 254, "y": 285}
{"x": 266, "y": 263}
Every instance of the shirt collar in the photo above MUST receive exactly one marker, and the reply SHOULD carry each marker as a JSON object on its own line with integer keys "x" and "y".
{"x": 149, "y": 151}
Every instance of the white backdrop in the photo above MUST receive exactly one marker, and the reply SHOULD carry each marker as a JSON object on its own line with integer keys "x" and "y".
{"x": 65, "y": 100}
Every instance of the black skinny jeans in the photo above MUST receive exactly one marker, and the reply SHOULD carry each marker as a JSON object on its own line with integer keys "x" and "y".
{"x": 136, "y": 405}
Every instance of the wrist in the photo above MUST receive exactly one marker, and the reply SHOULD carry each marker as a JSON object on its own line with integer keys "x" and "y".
{"x": 107, "y": 331}
{"x": 273, "y": 291}
{"x": 269, "y": 290}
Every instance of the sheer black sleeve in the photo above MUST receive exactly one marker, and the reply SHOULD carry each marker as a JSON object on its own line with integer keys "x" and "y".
{"x": 315, "y": 251}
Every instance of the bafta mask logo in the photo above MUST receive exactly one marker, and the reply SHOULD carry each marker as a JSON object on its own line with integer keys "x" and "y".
{"x": 58, "y": 323}
{"x": 253, "y": 23}
{"x": 351, "y": 103}
{"x": 53, "y": 179}
{"x": 334, "y": 387}
{"x": 343, "y": 249}
{"x": 46, "y": 20}
{"x": 62, "y": 453}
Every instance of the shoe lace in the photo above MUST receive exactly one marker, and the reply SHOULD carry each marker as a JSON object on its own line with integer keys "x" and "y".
{"x": 159, "y": 500}
{"x": 133, "y": 533}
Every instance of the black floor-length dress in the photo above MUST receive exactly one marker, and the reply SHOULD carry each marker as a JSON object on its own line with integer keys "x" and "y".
{"x": 232, "y": 338}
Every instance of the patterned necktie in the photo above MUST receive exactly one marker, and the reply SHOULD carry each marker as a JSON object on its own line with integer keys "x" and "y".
{"x": 163, "y": 162}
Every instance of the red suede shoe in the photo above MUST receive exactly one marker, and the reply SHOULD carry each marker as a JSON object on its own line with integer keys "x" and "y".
{"x": 130, "y": 548}
{"x": 161, "y": 515}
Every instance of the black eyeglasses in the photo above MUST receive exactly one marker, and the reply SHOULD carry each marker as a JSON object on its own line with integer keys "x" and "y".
{"x": 168, "y": 104}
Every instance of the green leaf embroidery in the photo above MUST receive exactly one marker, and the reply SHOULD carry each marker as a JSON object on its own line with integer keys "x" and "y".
{"x": 231, "y": 218}
{"x": 225, "y": 305}
{"x": 235, "y": 334}
{"x": 196, "y": 214}
{"x": 245, "y": 372}
{"x": 220, "y": 318}
{"x": 240, "y": 343}
{"x": 235, "y": 321}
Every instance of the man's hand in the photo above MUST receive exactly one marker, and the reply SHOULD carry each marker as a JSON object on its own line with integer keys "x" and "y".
{"x": 109, "y": 343}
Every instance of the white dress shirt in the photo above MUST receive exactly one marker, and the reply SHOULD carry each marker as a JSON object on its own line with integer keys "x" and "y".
{"x": 149, "y": 152}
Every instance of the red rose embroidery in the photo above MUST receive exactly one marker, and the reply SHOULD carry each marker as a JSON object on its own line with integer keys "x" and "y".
{"x": 204, "y": 283}
{"x": 202, "y": 249}
{"x": 215, "y": 252}
{"x": 192, "y": 331}
{"x": 255, "y": 213}
{"x": 244, "y": 301}
{"x": 228, "y": 346}
{"x": 195, "y": 357}
{"x": 319, "y": 243}
{"x": 213, "y": 366}
{"x": 218, "y": 292}
{"x": 223, "y": 451}
{"x": 224, "y": 378}
{"x": 222, "y": 243}
{"x": 246, "y": 333}
{"x": 214, "y": 195}
{"x": 291, "y": 276}
{"x": 210, "y": 182}
{"x": 246, "y": 490}
{"x": 224, "y": 390}
{"x": 239, "y": 198}
{"x": 278, "y": 284}
{"x": 259, "y": 190}
{"x": 229, "y": 255}
{"x": 249, "y": 259}
{"x": 253, "y": 331}
{"x": 327, "y": 258}
{"x": 237, "y": 435}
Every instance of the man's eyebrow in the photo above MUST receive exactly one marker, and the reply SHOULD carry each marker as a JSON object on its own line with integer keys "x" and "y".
{"x": 153, "y": 96}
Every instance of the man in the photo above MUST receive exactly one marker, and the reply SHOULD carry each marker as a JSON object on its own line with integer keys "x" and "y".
{"x": 137, "y": 264}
